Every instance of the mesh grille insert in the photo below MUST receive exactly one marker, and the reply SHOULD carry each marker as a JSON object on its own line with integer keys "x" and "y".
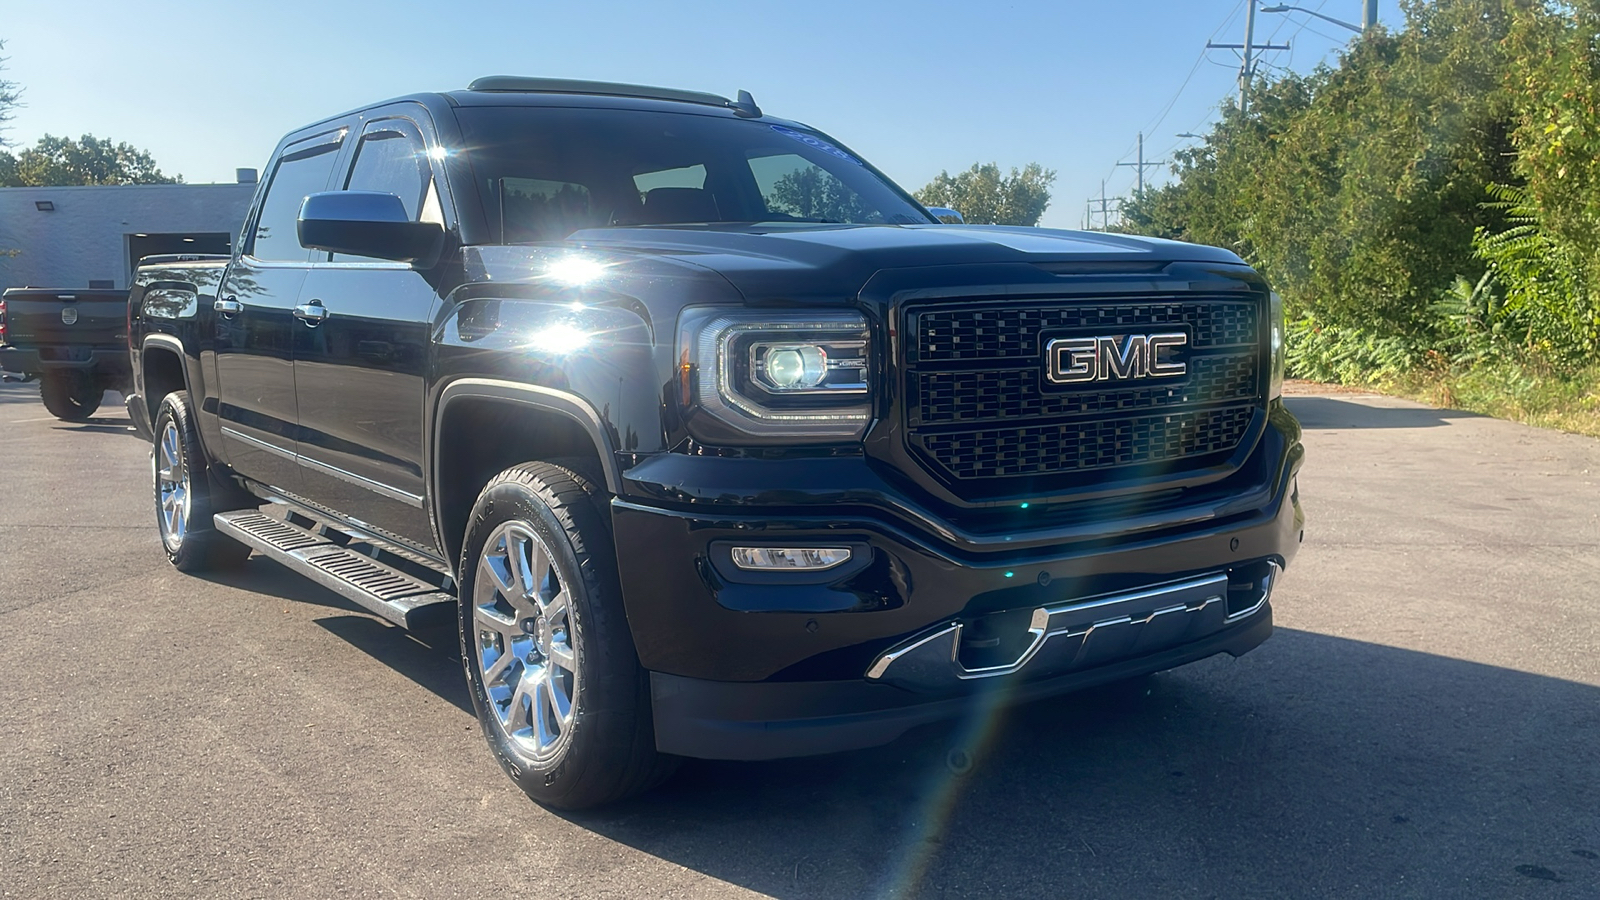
{"x": 990, "y": 395}
{"x": 1049, "y": 449}
{"x": 1014, "y": 332}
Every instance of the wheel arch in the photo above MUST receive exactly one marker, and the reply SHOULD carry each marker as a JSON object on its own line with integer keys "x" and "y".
{"x": 162, "y": 370}
{"x": 528, "y": 423}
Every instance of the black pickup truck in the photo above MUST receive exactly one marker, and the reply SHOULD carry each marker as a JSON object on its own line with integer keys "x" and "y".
{"x": 711, "y": 439}
{"x": 73, "y": 341}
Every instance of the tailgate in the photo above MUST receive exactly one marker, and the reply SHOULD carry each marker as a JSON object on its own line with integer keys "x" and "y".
{"x": 43, "y": 318}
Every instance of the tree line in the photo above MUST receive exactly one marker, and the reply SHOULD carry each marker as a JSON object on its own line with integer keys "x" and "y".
{"x": 1431, "y": 200}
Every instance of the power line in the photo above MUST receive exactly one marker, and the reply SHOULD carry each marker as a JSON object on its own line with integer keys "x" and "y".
{"x": 1329, "y": 37}
{"x": 1172, "y": 103}
{"x": 1162, "y": 117}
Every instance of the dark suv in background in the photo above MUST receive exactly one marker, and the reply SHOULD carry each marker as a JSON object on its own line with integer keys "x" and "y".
{"x": 714, "y": 442}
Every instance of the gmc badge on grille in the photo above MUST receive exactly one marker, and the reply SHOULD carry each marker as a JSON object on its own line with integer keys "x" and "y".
{"x": 1114, "y": 357}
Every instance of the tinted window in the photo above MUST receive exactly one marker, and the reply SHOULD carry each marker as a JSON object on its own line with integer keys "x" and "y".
{"x": 633, "y": 167}
{"x": 795, "y": 187}
{"x": 297, "y": 177}
{"x": 392, "y": 162}
{"x": 538, "y": 210}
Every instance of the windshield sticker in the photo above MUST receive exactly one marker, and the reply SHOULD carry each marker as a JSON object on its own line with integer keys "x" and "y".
{"x": 819, "y": 143}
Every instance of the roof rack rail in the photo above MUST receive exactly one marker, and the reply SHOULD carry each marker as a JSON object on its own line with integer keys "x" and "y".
{"x": 523, "y": 84}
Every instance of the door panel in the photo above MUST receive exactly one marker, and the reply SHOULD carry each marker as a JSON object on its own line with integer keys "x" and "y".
{"x": 254, "y": 323}
{"x": 359, "y": 371}
{"x": 255, "y": 372}
{"x": 359, "y": 382}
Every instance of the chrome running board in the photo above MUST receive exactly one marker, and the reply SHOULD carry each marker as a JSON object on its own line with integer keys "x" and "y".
{"x": 402, "y": 598}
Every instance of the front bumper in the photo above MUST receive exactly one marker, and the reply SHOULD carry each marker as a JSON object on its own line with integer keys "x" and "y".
{"x": 775, "y": 720}
{"x": 764, "y": 665}
{"x": 692, "y": 615}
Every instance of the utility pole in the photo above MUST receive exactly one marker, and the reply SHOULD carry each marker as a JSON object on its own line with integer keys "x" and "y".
{"x": 1105, "y": 209}
{"x": 1369, "y": 15}
{"x": 1141, "y": 165}
{"x": 1247, "y": 71}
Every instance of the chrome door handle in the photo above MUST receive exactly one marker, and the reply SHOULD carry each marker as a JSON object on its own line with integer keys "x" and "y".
{"x": 228, "y": 306}
{"x": 311, "y": 313}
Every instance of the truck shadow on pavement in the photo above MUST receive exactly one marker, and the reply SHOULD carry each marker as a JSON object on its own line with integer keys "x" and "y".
{"x": 1315, "y": 766}
{"x": 430, "y": 657}
{"x": 1331, "y": 413}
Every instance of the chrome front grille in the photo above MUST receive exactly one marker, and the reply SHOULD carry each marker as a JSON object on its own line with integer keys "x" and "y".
{"x": 981, "y": 406}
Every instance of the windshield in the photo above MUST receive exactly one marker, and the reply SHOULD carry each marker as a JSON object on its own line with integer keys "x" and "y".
{"x": 546, "y": 172}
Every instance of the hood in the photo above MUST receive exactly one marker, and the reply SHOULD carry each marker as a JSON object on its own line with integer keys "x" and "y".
{"x": 832, "y": 262}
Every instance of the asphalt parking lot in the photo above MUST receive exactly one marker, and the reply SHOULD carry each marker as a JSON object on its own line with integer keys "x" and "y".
{"x": 1425, "y": 722}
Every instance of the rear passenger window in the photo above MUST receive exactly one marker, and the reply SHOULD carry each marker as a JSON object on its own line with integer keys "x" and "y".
{"x": 298, "y": 176}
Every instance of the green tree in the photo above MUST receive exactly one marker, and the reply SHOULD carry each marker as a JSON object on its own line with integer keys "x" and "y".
{"x": 1358, "y": 188}
{"x": 88, "y": 160}
{"x": 10, "y": 98}
{"x": 984, "y": 196}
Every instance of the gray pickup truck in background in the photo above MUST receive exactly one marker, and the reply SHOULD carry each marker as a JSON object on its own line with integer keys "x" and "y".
{"x": 74, "y": 341}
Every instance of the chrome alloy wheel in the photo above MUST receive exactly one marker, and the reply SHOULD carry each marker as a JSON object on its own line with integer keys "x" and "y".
{"x": 172, "y": 486}
{"x": 526, "y": 646}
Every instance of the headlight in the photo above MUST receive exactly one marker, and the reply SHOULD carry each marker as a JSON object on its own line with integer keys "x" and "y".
{"x": 1277, "y": 349}
{"x": 778, "y": 375}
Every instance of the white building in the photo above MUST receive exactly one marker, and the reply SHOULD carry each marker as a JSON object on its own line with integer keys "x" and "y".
{"x": 92, "y": 236}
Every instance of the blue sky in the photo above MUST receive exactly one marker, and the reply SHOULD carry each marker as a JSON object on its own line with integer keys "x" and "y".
{"x": 915, "y": 87}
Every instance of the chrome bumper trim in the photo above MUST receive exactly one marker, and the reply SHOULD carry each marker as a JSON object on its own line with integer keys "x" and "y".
{"x": 1081, "y": 634}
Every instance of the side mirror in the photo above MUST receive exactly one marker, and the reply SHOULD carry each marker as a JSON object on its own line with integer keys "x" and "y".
{"x": 367, "y": 223}
{"x": 947, "y": 215}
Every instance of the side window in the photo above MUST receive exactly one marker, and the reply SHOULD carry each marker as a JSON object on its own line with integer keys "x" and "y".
{"x": 392, "y": 162}
{"x": 297, "y": 176}
{"x": 793, "y": 187}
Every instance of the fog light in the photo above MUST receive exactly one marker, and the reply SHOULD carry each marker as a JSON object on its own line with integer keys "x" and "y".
{"x": 766, "y": 558}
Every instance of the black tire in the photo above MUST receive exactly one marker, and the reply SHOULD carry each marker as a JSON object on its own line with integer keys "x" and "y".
{"x": 195, "y": 546}
{"x": 70, "y": 396}
{"x": 607, "y": 750}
